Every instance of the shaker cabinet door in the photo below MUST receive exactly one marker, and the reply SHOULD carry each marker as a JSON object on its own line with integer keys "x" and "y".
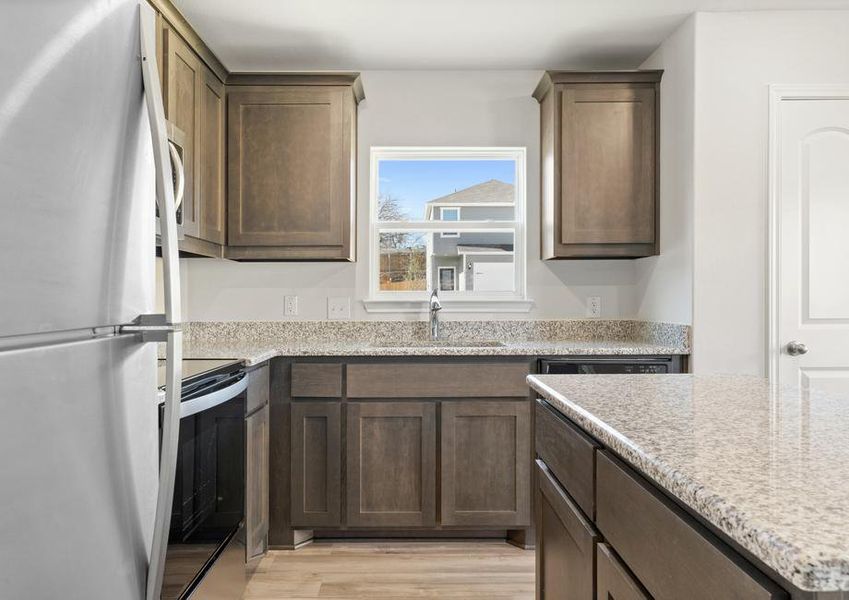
{"x": 290, "y": 172}
{"x": 391, "y": 464}
{"x": 607, "y": 193}
{"x": 565, "y": 549}
{"x": 486, "y": 460}
{"x": 316, "y": 464}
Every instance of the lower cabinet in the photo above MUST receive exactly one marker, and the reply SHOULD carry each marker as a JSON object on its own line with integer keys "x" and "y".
{"x": 391, "y": 464}
{"x": 565, "y": 548}
{"x": 485, "y": 463}
{"x": 411, "y": 446}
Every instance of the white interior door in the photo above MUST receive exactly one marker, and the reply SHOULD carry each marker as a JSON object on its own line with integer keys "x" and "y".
{"x": 810, "y": 345}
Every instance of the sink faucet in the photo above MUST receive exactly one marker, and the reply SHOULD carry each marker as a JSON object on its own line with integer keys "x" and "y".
{"x": 435, "y": 307}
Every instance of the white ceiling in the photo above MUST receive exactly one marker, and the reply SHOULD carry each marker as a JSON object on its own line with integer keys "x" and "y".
{"x": 274, "y": 35}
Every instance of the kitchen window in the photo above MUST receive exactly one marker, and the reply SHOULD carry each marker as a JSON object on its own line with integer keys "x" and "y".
{"x": 447, "y": 219}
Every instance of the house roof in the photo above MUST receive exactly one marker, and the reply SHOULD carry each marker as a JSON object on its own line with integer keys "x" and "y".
{"x": 488, "y": 192}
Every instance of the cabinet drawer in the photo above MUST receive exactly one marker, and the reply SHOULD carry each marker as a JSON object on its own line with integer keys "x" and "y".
{"x": 569, "y": 454}
{"x": 671, "y": 554}
{"x": 316, "y": 380}
{"x": 565, "y": 544}
{"x": 438, "y": 380}
{"x": 613, "y": 579}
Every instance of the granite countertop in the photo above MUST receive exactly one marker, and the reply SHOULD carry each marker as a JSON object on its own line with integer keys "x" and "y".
{"x": 768, "y": 466}
{"x": 257, "y": 341}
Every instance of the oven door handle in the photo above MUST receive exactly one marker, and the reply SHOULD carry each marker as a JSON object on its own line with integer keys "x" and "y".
{"x": 196, "y": 405}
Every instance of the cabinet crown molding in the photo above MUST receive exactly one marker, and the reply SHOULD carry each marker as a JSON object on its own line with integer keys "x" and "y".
{"x": 301, "y": 78}
{"x": 550, "y": 78}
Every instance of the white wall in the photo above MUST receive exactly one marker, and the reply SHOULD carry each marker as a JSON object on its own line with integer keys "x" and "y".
{"x": 664, "y": 283}
{"x": 714, "y": 132}
{"x": 462, "y": 108}
{"x": 737, "y": 56}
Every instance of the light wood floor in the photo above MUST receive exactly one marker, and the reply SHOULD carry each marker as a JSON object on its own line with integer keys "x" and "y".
{"x": 397, "y": 571}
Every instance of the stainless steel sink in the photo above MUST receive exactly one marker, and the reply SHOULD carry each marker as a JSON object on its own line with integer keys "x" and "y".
{"x": 438, "y": 344}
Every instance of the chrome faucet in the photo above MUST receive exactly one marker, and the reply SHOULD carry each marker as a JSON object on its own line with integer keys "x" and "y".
{"x": 435, "y": 307}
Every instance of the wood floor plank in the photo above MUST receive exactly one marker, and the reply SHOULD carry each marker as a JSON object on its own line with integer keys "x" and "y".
{"x": 395, "y": 571}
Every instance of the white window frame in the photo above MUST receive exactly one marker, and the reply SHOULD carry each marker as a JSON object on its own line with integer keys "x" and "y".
{"x": 457, "y": 301}
{"x": 451, "y": 234}
{"x": 439, "y": 277}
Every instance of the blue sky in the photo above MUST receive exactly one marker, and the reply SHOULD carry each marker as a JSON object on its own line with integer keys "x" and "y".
{"x": 415, "y": 182}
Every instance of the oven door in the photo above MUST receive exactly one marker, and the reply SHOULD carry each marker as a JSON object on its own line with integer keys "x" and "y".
{"x": 209, "y": 487}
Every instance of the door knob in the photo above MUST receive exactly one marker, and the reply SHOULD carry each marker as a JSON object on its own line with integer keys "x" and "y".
{"x": 795, "y": 348}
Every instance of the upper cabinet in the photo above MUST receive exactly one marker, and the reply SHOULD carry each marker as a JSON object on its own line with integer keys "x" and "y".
{"x": 291, "y": 160}
{"x": 599, "y": 157}
{"x": 194, "y": 99}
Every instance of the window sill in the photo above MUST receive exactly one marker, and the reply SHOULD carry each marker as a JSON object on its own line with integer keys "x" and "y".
{"x": 470, "y": 305}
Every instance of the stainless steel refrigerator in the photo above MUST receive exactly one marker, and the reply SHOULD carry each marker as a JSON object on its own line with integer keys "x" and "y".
{"x": 83, "y": 161}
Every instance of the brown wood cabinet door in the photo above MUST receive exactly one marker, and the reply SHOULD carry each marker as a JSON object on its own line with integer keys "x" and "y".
{"x": 565, "y": 548}
{"x": 256, "y": 482}
{"x": 391, "y": 464}
{"x": 613, "y": 581}
{"x": 316, "y": 464}
{"x": 486, "y": 462}
{"x": 290, "y": 172}
{"x": 210, "y": 158}
{"x": 607, "y": 162}
{"x": 182, "y": 81}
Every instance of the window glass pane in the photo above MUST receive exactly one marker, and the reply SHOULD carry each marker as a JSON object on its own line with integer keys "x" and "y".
{"x": 469, "y": 261}
{"x": 403, "y": 262}
{"x": 471, "y": 190}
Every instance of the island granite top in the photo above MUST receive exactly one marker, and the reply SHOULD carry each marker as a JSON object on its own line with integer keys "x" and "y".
{"x": 768, "y": 466}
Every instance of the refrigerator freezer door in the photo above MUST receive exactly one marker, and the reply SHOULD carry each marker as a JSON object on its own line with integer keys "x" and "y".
{"x": 77, "y": 231}
{"x": 79, "y": 447}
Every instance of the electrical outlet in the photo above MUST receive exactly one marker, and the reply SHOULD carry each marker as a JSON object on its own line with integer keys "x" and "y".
{"x": 290, "y": 306}
{"x": 594, "y": 306}
{"x": 338, "y": 307}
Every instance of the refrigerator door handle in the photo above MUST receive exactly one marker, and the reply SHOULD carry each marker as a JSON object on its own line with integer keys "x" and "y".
{"x": 171, "y": 277}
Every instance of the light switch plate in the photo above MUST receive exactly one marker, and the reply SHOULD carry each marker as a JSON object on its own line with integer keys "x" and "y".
{"x": 290, "y": 306}
{"x": 338, "y": 307}
{"x": 594, "y": 306}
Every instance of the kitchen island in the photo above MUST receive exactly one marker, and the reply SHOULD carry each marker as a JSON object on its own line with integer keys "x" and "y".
{"x": 758, "y": 474}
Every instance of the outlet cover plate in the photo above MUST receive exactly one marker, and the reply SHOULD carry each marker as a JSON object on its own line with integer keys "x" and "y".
{"x": 594, "y": 306}
{"x": 338, "y": 308}
{"x": 290, "y": 306}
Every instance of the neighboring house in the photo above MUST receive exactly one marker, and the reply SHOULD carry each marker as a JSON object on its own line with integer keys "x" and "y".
{"x": 472, "y": 261}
